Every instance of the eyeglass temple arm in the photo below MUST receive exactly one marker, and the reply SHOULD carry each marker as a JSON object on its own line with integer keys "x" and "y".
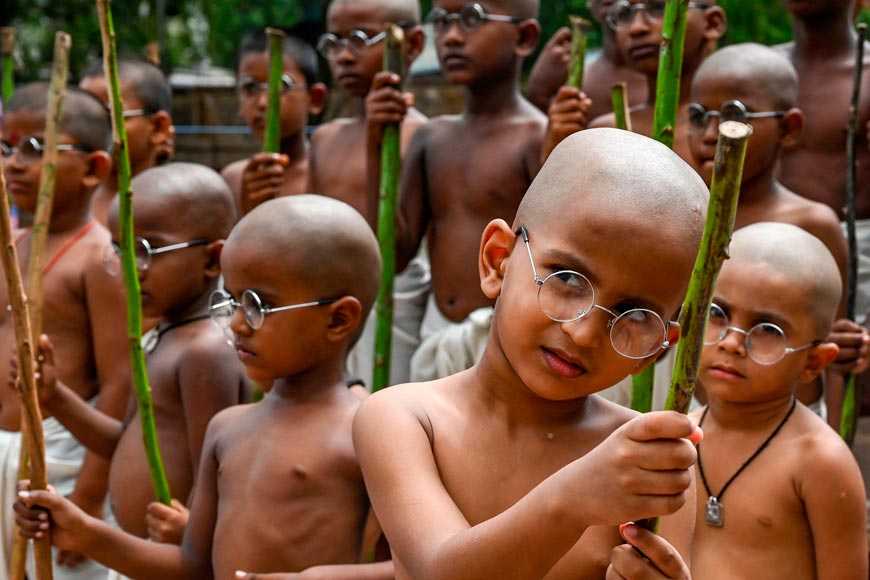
{"x": 525, "y": 235}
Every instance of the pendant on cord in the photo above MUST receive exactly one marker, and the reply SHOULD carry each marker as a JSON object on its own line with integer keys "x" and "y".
{"x": 714, "y": 513}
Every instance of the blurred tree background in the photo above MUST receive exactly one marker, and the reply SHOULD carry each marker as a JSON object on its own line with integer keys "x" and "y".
{"x": 193, "y": 32}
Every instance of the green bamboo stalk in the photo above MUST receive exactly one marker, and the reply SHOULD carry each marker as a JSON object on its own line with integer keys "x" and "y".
{"x": 664, "y": 123}
{"x": 580, "y": 28}
{"x": 31, "y": 415}
{"x": 7, "y": 50}
{"x": 128, "y": 258}
{"x": 724, "y": 192}
{"x": 388, "y": 195}
{"x": 272, "y": 136}
{"x": 852, "y": 395}
{"x": 621, "y": 110}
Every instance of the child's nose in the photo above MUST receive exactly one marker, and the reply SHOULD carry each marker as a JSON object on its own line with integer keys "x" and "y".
{"x": 711, "y": 131}
{"x": 453, "y": 33}
{"x": 238, "y": 324}
{"x": 639, "y": 22}
{"x": 733, "y": 341}
{"x": 587, "y": 332}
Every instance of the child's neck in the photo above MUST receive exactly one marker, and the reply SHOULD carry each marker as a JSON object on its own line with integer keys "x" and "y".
{"x": 198, "y": 307}
{"x": 493, "y": 98}
{"x": 70, "y": 219}
{"x": 295, "y": 147}
{"x": 759, "y": 189}
{"x": 748, "y": 416}
{"x": 823, "y": 37}
{"x": 610, "y": 50}
{"x": 317, "y": 383}
{"x": 685, "y": 87}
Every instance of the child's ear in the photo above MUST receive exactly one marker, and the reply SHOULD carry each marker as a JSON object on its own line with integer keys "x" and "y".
{"x": 818, "y": 359}
{"x": 346, "y": 318}
{"x": 99, "y": 166}
{"x": 530, "y": 34}
{"x": 791, "y": 127}
{"x": 415, "y": 40}
{"x": 317, "y": 96}
{"x": 162, "y": 136}
{"x": 213, "y": 258}
{"x": 715, "y": 23}
{"x": 496, "y": 244}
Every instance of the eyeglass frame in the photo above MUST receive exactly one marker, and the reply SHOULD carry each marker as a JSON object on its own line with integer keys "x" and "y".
{"x": 7, "y": 151}
{"x": 264, "y": 310}
{"x": 449, "y": 17}
{"x": 746, "y": 344}
{"x": 614, "y": 317}
{"x": 287, "y": 85}
{"x": 339, "y": 44}
{"x": 613, "y": 24}
{"x": 150, "y": 251}
{"x": 741, "y": 108}
{"x": 137, "y": 113}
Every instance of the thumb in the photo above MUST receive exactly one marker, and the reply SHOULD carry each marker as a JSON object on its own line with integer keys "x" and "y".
{"x": 245, "y": 575}
{"x": 180, "y": 507}
{"x": 48, "y": 499}
{"x": 660, "y": 425}
{"x": 46, "y": 349}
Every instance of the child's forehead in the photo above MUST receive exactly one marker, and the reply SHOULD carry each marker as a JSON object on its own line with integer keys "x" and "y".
{"x": 345, "y": 14}
{"x": 23, "y": 123}
{"x": 256, "y": 64}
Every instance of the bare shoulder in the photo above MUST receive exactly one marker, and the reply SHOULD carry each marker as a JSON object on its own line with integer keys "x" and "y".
{"x": 607, "y": 120}
{"x": 329, "y": 131}
{"x": 232, "y": 173}
{"x": 815, "y": 217}
{"x": 819, "y": 449}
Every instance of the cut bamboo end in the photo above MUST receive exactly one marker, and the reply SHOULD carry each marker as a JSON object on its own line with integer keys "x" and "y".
{"x": 7, "y": 40}
{"x": 275, "y": 33}
{"x": 621, "y": 109}
{"x": 393, "y": 49}
{"x": 735, "y": 130}
{"x": 579, "y": 23}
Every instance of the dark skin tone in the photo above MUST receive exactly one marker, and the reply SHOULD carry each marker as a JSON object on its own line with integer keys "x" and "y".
{"x": 84, "y": 310}
{"x": 600, "y": 74}
{"x": 265, "y": 176}
{"x": 338, "y": 169}
{"x": 824, "y": 55}
{"x": 639, "y": 42}
{"x": 450, "y": 185}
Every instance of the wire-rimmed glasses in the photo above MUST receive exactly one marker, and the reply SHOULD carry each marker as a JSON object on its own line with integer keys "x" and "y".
{"x": 222, "y": 306}
{"x": 143, "y": 251}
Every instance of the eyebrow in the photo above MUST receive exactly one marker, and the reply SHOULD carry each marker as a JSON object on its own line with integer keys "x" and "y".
{"x": 757, "y": 316}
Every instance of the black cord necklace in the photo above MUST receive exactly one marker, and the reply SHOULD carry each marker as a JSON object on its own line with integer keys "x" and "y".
{"x": 151, "y": 338}
{"x": 715, "y": 514}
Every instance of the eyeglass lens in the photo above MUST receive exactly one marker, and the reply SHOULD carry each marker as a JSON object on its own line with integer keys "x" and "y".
{"x": 765, "y": 343}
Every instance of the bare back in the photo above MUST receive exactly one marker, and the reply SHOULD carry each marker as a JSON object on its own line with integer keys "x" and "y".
{"x": 193, "y": 374}
{"x": 792, "y": 513}
{"x": 83, "y": 315}
{"x": 283, "y": 477}
{"x": 461, "y": 173}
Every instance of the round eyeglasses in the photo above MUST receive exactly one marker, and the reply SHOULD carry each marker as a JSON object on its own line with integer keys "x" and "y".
{"x": 622, "y": 13}
{"x": 566, "y": 296}
{"x": 249, "y": 88}
{"x": 143, "y": 251}
{"x": 699, "y": 116}
{"x": 470, "y": 17}
{"x": 30, "y": 150}
{"x": 222, "y": 307}
{"x": 765, "y": 343}
{"x": 329, "y": 45}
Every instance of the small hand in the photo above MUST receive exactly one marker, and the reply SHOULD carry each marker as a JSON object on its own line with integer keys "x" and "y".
{"x": 551, "y": 69}
{"x": 58, "y": 516}
{"x": 645, "y": 556}
{"x": 262, "y": 179}
{"x": 166, "y": 524}
{"x": 568, "y": 114}
{"x": 854, "y": 342}
{"x": 385, "y": 103}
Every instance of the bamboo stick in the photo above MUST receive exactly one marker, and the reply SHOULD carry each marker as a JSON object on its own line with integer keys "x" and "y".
{"x": 128, "y": 259}
{"x": 621, "y": 109}
{"x": 852, "y": 395}
{"x": 7, "y": 49}
{"x": 667, "y": 105}
{"x": 32, "y": 416}
{"x": 388, "y": 195}
{"x": 724, "y": 192}
{"x": 272, "y": 136}
{"x": 580, "y": 28}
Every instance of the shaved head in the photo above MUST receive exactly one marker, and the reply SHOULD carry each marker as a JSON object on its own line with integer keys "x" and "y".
{"x": 320, "y": 240}
{"x": 523, "y": 8}
{"x": 609, "y": 172}
{"x": 800, "y": 257}
{"x": 390, "y": 10}
{"x": 753, "y": 69}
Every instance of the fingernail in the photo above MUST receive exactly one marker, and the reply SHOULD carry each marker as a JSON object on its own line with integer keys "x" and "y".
{"x": 43, "y": 526}
{"x": 240, "y": 574}
{"x": 23, "y": 495}
{"x": 43, "y": 516}
{"x": 628, "y": 530}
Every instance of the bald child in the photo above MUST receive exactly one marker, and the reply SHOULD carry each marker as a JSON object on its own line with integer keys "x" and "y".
{"x": 516, "y": 468}
{"x": 278, "y": 487}
{"x": 779, "y": 493}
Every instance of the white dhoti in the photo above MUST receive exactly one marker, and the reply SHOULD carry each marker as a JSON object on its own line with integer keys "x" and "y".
{"x": 449, "y": 347}
{"x": 409, "y": 304}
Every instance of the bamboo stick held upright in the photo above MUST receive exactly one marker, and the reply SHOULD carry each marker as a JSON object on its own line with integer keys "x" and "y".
{"x": 580, "y": 28}
{"x": 852, "y": 395}
{"x": 128, "y": 259}
{"x": 27, "y": 392}
{"x": 621, "y": 110}
{"x": 388, "y": 199}
{"x": 272, "y": 135}
{"x": 7, "y": 51}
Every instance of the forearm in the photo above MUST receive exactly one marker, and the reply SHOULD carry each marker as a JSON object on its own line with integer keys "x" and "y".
{"x": 94, "y": 429}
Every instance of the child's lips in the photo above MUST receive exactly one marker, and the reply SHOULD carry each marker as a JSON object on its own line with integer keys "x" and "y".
{"x": 644, "y": 51}
{"x": 242, "y": 353}
{"x": 562, "y": 364}
{"x": 725, "y": 371}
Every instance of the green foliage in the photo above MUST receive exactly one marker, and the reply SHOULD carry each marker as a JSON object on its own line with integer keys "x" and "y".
{"x": 753, "y": 21}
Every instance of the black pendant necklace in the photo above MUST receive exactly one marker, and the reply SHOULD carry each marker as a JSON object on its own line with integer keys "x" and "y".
{"x": 151, "y": 338}
{"x": 715, "y": 511}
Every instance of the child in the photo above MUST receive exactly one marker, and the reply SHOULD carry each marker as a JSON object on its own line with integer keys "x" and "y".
{"x": 462, "y": 171}
{"x": 762, "y": 82}
{"x": 265, "y": 176}
{"x": 638, "y": 28}
{"x": 345, "y": 153}
{"x": 279, "y": 487}
{"x": 601, "y": 72}
{"x": 192, "y": 371}
{"x": 514, "y": 469}
{"x": 84, "y": 310}
{"x": 779, "y": 493}
{"x": 147, "y": 100}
